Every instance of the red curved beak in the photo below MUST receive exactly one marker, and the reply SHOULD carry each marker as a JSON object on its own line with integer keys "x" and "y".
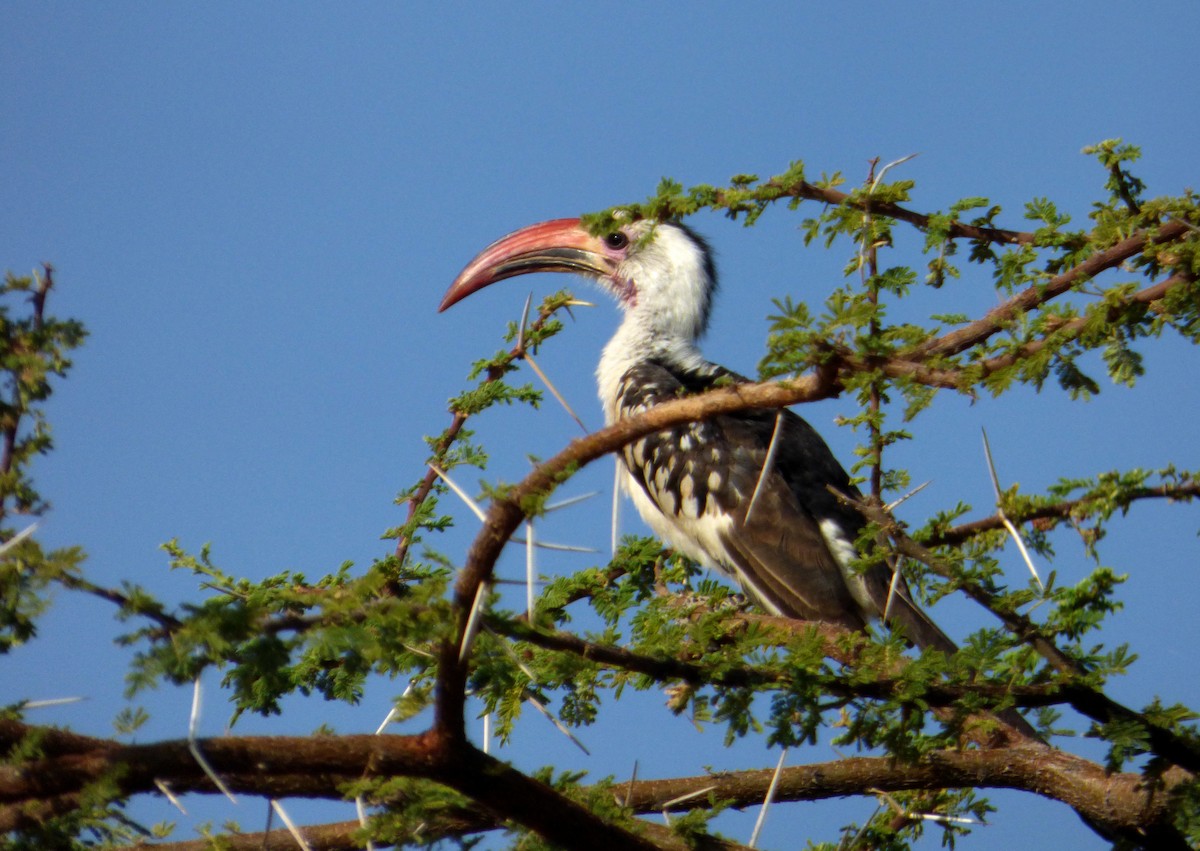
{"x": 561, "y": 245}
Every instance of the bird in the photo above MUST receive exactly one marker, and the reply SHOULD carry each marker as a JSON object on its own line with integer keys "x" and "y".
{"x": 709, "y": 489}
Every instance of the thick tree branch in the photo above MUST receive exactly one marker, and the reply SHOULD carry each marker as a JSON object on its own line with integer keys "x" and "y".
{"x": 317, "y": 766}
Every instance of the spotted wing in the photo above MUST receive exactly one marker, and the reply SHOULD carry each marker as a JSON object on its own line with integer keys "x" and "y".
{"x": 789, "y": 546}
{"x": 700, "y": 478}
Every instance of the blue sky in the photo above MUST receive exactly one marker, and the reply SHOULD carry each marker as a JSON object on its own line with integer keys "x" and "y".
{"x": 255, "y": 209}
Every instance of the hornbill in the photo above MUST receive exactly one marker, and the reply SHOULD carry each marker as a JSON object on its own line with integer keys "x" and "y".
{"x": 791, "y": 549}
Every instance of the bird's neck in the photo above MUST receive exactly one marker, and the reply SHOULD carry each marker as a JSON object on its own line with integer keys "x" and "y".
{"x": 638, "y": 341}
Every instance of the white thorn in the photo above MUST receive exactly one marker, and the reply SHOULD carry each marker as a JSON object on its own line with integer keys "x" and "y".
{"x": 546, "y": 545}
{"x": 564, "y": 503}
{"x": 515, "y": 658}
{"x": 1012, "y": 530}
{"x": 360, "y": 808}
{"x": 537, "y": 704}
{"x": 768, "y": 464}
{"x": 879, "y": 175}
{"x": 169, "y": 795}
{"x": 360, "y": 804}
{"x": 529, "y": 571}
{"x": 524, "y": 319}
{"x": 766, "y": 804}
{"x": 18, "y": 538}
{"x": 194, "y": 746}
{"x": 554, "y": 390}
{"x": 462, "y": 494}
{"x": 50, "y": 701}
{"x": 194, "y": 717}
{"x": 387, "y": 719}
{"x": 894, "y": 806}
{"x": 525, "y": 669}
{"x": 290, "y": 825}
{"x": 892, "y": 588}
{"x": 616, "y": 506}
{"x": 666, "y": 805}
{"x": 896, "y": 503}
{"x": 473, "y": 618}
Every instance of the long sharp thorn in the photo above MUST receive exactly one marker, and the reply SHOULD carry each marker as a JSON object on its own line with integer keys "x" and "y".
{"x": 632, "y": 780}
{"x": 462, "y": 494}
{"x": 564, "y": 548}
{"x": 768, "y": 464}
{"x": 896, "y": 503}
{"x": 360, "y": 804}
{"x": 170, "y": 796}
{"x": 892, "y": 588}
{"x": 360, "y": 807}
{"x": 512, "y": 654}
{"x": 879, "y": 175}
{"x": 194, "y": 746}
{"x": 766, "y": 804}
{"x": 1008, "y": 524}
{"x": 290, "y": 825}
{"x": 1016, "y": 536}
{"x": 616, "y": 506}
{"x": 529, "y": 571}
{"x": 666, "y": 805}
{"x": 894, "y": 806}
{"x": 554, "y": 390}
{"x": 524, "y": 319}
{"x": 987, "y": 454}
{"x": 473, "y": 618}
{"x": 18, "y": 538}
{"x": 565, "y": 503}
{"x": 387, "y": 719}
{"x": 537, "y": 704}
{"x": 50, "y": 701}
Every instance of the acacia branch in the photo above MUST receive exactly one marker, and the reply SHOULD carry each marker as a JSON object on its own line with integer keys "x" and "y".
{"x": 777, "y": 188}
{"x": 998, "y": 318}
{"x": 317, "y": 766}
{"x": 306, "y": 766}
{"x": 1064, "y": 510}
{"x": 495, "y": 372}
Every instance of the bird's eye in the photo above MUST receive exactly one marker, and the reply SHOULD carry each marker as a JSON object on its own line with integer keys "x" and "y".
{"x": 616, "y": 240}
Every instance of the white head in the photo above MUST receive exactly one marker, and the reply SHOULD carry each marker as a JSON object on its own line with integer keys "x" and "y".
{"x": 662, "y": 274}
